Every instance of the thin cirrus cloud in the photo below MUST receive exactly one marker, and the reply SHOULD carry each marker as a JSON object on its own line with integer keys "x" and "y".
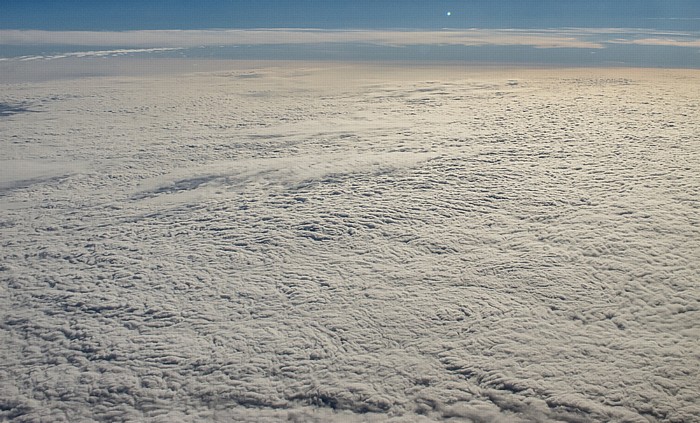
{"x": 668, "y": 42}
{"x": 194, "y": 38}
{"x": 574, "y": 38}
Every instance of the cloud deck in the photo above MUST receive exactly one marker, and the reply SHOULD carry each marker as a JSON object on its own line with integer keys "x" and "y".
{"x": 340, "y": 242}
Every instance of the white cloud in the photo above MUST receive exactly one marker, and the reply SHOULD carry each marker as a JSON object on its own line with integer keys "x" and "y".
{"x": 96, "y": 53}
{"x": 194, "y": 38}
{"x": 350, "y": 242}
{"x": 669, "y": 42}
{"x": 158, "y": 40}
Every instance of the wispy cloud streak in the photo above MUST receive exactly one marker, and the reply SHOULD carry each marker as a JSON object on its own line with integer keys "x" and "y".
{"x": 668, "y": 42}
{"x": 94, "y": 53}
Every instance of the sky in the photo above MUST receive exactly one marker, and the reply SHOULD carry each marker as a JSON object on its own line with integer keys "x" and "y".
{"x": 594, "y": 32}
{"x": 357, "y": 14}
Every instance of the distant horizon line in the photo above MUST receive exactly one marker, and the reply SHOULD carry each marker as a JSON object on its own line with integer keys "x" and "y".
{"x": 565, "y": 46}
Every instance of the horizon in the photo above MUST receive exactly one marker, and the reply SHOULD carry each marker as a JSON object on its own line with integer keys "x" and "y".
{"x": 643, "y": 33}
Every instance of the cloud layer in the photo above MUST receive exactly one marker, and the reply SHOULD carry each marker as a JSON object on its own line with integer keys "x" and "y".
{"x": 561, "y": 38}
{"x": 291, "y": 36}
{"x": 319, "y": 243}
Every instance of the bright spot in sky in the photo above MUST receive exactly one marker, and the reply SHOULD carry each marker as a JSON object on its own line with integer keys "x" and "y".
{"x": 449, "y": 13}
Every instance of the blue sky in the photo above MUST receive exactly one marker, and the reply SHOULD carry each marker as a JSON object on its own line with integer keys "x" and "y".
{"x": 663, "y": 33}
{"x": 179, "y": 14}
